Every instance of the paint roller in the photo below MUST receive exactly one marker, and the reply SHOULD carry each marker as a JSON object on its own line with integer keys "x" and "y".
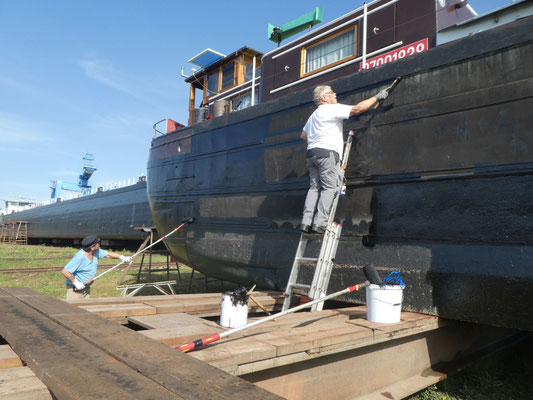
{"x": 372, "y": 274}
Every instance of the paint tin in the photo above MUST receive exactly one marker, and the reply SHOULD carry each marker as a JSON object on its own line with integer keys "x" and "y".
{"x": 234, "y": 309}
{"x": 384, "y": 303}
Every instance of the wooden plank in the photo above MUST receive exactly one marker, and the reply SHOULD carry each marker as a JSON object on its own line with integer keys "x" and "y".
{"x": 197, "y": 297}
{"x": 407, "y": 320}
{"x": 177, "y": 336}
{"x": 16, "y": 372}
{"x": 21, "y": 383}
{"x": 410, "y": 324}
{"x": 57, "y": 355}
{"x": 211, "y": 305}
{"x": 139, "y": 299}
{"x": 178, "y": 374}
{"x": 232, "y": 352}
{"x": 302, "y": 339}
{"x": 164, "y": 321}
{"x": 274, "y": 295}
{"x": 205, "y": 304}
{"x": 176, "y": 329}
{"x": 190, "y": 307}
{"x": 8, "y": 358}
{"x": 121, "y": 310}
{"x": 257, "y": 347}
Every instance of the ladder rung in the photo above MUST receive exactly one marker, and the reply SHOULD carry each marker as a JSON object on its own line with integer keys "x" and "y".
{"x": 300, "y": 286}
{"x": 308, "y": 259}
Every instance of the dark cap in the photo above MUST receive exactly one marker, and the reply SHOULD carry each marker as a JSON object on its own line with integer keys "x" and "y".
{"x": 87, "y": 242}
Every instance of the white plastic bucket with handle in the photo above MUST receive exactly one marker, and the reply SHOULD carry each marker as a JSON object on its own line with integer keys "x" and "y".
{"x": 384, "y": 303}
{"x": 233, "y": 311}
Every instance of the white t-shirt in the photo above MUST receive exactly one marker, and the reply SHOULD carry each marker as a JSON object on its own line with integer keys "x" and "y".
{"x": 324, "y": 127}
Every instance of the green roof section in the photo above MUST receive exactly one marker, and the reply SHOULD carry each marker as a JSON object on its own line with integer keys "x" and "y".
{"x": 279, "y": 33}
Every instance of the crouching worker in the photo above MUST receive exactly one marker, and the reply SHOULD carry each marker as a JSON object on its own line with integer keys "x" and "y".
{"x": 82, "y": 267}
{"x": 325, "y": 142}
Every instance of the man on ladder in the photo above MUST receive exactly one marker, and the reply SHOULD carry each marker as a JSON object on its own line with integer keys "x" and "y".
{"x": 323, "y": 134}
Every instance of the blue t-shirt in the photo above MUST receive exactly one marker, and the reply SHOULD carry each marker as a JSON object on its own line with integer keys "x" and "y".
{"x": 82, "y": 268}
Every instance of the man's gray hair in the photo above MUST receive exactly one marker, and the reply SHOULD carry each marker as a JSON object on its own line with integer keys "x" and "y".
{"x": 318, "y": 93}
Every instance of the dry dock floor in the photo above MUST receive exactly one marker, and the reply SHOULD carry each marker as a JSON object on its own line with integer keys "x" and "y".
{"x": 82, "y": 350}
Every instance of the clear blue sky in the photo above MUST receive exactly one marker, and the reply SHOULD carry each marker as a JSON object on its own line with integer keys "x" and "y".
{"x": 94, "y": 76}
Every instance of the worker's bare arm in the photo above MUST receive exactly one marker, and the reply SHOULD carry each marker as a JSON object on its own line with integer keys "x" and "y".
{"x": 363, "y": 106}
{"x": 67, "y": 275}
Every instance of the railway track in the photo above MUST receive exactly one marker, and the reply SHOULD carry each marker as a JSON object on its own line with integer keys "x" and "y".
{"x": 34, "y": 258}
{"x": 37, "y": 270}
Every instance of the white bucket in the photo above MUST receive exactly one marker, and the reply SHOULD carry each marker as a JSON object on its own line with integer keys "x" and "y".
{"x": 384, "y": 303}
{"x": 233, "y": 313}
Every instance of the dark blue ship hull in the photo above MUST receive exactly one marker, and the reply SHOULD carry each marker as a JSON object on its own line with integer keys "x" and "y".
{"x": 440, "y": 183}
{"x": 111, "y": 215}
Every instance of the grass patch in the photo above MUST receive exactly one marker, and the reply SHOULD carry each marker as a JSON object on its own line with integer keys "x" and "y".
{"x": 53, "y": 283}
{"x": 18, "y": 251}
{"x": 507, "y": 375}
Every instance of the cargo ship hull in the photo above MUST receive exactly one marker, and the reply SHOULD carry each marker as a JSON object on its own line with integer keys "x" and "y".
{"x": 112, "y": 215}
{"x": 439, "y": 183}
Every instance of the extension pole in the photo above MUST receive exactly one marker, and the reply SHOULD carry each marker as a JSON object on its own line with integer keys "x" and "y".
{"x": 184, "y": 222}
{"x": 213, "y": 338}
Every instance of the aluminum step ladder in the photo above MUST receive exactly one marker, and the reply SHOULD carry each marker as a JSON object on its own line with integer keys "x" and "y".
{"x": 326, "y": 258}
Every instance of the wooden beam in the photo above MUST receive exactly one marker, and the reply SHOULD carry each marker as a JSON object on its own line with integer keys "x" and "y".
{"x": 191, "y": 104}
{"x": 58, "y": 341}
{"x": 239, "y": 69}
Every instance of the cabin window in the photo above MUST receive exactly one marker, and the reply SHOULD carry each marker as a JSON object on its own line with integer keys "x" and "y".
{"x": 212, "y": 83}
{"x": 330, "y": 51}
{"x": 248, "y": 71}
{"x": 228, "y": 75}
{"x": 244, "y": 101}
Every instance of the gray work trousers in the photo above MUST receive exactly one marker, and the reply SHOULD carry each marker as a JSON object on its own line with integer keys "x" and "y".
{"x": 324, "y": 179}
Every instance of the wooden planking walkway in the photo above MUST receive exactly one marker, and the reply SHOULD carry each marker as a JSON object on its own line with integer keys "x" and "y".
{"x": 292, "y": 338}
{"x": 204, "y": 305}
{"x": 304, "y": 336}
{"x": 18, "y": 382}
{"x": 335, "y": 354}
{"x": 175, "y": 320}
{"x": 79, "y": 355}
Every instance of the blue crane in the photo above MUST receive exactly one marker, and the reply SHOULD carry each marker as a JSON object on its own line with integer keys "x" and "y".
{"x": 83, "y": 186}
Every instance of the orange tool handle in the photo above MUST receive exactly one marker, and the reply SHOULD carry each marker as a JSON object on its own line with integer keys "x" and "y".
{"x": 199, "y": 343}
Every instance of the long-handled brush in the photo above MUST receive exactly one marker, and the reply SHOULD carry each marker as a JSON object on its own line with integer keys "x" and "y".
{"x": 370, "y": 273}
{"x": 389, "y": 90}
{"x": 184, "y": 222}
